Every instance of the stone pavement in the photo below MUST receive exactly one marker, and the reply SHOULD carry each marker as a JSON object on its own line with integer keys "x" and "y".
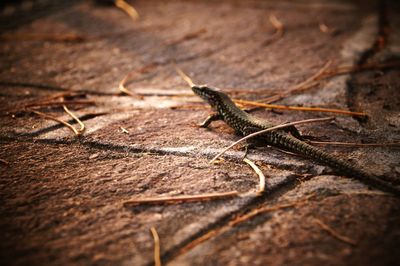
{"x": 62, "y": 196}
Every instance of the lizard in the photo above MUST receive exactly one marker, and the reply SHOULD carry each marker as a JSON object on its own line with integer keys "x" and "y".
{"x": 286, "y": 139}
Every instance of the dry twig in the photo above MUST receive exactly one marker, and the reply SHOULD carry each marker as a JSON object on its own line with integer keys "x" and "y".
{"x": 175, "y": 199}
{"x": 259, "y": 173}
{"x": 334, "y": 233}
{"x": 273, "y": 128}
{"x": 157, "y": 249}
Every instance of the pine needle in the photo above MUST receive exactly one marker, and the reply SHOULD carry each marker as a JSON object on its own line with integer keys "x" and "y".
{"x": 157, "y": 248}
{"x": 76, "y": 132}
{"x": 127, "y": 8}
{"x": 185, "y": 198}
{"x": 241, "y": 219}
{"x": 260, "y": 174}
{"x": 122, "y": 83}
{"x": 351, "y": 69}
{"x": 299, "y": 108}
{"x": 335, "y": 234}
{"x": 353, "y": 144}
{"x": 308, "y": 83}
{"x": 184, "y": 76}
{"x": 82, "y": 129}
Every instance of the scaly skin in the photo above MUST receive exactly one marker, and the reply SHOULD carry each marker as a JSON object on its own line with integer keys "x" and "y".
{"x": 244, "y": 124}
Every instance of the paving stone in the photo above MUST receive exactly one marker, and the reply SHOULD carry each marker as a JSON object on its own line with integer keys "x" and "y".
{"x": 62, "y": 195}
{"x": 278, "y": 237}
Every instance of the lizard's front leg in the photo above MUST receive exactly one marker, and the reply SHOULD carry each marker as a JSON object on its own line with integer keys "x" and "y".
{"x": 211, "y": 118}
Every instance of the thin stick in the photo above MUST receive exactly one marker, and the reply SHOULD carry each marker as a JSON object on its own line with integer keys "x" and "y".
{"x": 156, "y": 238}
{"x": 82, "y": 129}
{"x": 273, "y": 128}
{"x": 353, "y": 144}
{"x": 184, "y": 76}
{"x": 57, "y": 120}
{"x": 334, "y": 233}
{"x": 186, "y": 198}
{"x": 298, "y": 108}
{"x": 259, "y": 173}
{"x": 127, "y": 8}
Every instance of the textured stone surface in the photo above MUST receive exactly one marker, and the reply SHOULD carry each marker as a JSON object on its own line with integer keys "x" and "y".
{"x": 62, "y": 196}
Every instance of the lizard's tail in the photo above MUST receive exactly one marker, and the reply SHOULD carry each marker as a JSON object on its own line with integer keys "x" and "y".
{"x": 289, "y": 143}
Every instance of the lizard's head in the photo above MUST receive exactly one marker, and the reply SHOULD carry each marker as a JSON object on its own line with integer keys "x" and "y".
{"x": 209, "y": 95}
